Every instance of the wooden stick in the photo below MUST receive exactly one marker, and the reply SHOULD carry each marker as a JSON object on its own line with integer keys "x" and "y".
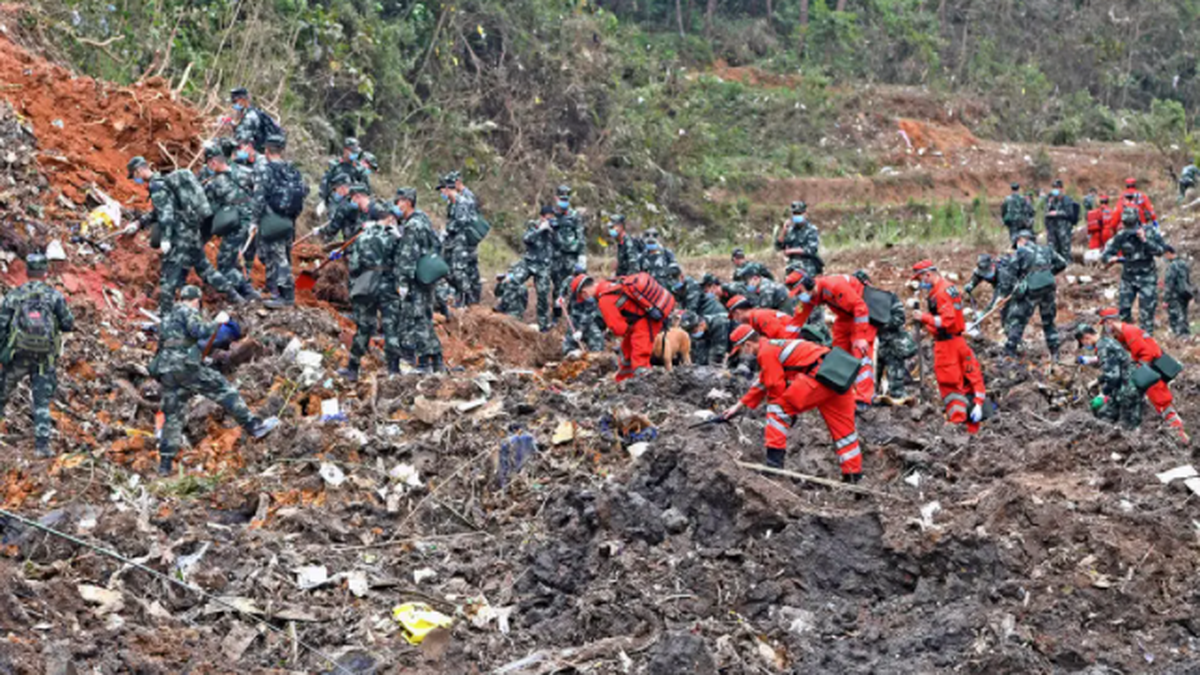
{"x": 849, "y": 487}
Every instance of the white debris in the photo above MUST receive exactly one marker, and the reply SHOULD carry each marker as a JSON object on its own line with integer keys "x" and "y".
{"x": 357, "y": 583}
{"x": 311, "y": 576}
{"x": 1185, "y": 471}
{"x": 715, "y": 394}
{"x": 54, "y": 251}
{"x": 355, "y": 436}
{"x": 1193, "y": 484}
{"x": 425, "y": 574}
{"x": 927, "y": 513}
{"x": 913, "y": 479}
{"x": 637, "y": 449}
{"x": 407, "y": 474}
{"x": 332, "y": 475}
{"x": 309, "y": 359}
{"x": 108, "y": 601}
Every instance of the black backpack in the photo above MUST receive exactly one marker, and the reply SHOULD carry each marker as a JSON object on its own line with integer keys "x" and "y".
{"x": 288, "y": 190}
{"x": 33, "y": 330}
{"x": 268, "y": 127}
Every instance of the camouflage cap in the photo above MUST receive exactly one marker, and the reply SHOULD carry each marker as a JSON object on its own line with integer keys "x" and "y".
{"x": 546, "y": 210}
{"x": 652, "y": 233}
{"x": 36, "y": 262}
{"x": 1024, "y": 234}
{"x": 371, "y": 161}
{"x": 340, "y": 179}
{"x": 738, "y": 253}
{"x": 190, "y": 292}
{"x": 359, "y": 189}
{"x": 238, "y": 92}
{"x": 862, "y": 276}
{"x": 379, "y": 211}
{"x": 674, "y": 268}
{"x": 454, "y": 176}
{"x": 408, "y": 194}
{"x": 799, "y": 207}
{"x": 617, "y": 218}
{"x": 1129, "y": 216}
{"x": 135, "y": 164}
{"x": 985, "y": 261}
{"x": 228, "y": 145}
{"x": 276, "y": 141}
{"x": 213, "y": 150}
{"x": 1015, "y": 186}
{"x": 1084, "y": 329}
{"x": 1168, "y": 248}
{"x": 709, "y": 279}
{"x": 446, "y": 182}
{"x": 689, "y": 321}
{"x": 1057, "y": 183}
{"x": 351, "y": 143}
{"x": 563, "y": 191}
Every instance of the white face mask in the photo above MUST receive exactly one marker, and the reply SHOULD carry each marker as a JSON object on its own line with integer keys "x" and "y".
{"x": 805, "y": 298}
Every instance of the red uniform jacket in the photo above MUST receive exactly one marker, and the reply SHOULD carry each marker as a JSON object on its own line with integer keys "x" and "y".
{"x": 843, "y": 294}
{"x": 1140, "y": 202}
{"x": 617, "y": 309}
{"x": 945, "y": 306}
{"x": 771, "y": 324}
{"x": 1110, "y": 218}
{"x": 779, "y": 362}
{"x": 1095, "y": 228}
{"x": 1141, "y": 346}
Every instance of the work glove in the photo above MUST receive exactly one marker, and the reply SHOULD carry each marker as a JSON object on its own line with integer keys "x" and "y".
{"x": 165, "y": 247}
{"x": 336, "y": 255}
{"x": 577, "y": 336}
{"x": 732, "y": 412}
{"x": 1099, "y": 402}
{"x": 321, "y": 208}
{"x": 130, "y": 229}
{"x": 222, "y": 318}
{"x": 1085, "y": 360}
{"x": 402, "y": 292}
{"x": 977, "y": 413}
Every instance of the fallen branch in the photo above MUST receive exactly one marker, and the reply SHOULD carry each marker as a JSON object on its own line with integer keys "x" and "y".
{"x": 183, "y": 80}
{"x": 848, "y": 487}
{"x": 553, "y": 660}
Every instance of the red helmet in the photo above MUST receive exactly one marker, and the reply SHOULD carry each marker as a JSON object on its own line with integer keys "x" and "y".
{"x": 578, "y": 283}
{"x": 738, "y": 302}
{"x": 1103, "y": 199}
{"x": 1131, "y": 182}
{"x": 923, "y": 267}
{"x": 740, "y": 336}
{"x": 793, "y": 278}
{"x": 1109, "y": 313}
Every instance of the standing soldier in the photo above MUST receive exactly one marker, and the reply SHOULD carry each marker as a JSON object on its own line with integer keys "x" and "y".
{"x": 32, "y": 320}
{"x": 346, "y": 217}
{"x": 1061, "y": 215}
{"x": 455, "y": 177}
{"x": 852, "y": 329}
{"x": 629, "y": 247}
{"x": 634, "y": 309}
{"x": 371, "y": 260}
{"x": 251, "y": 124}
{"x": 1188, "y": 180}
{"x": 1139, "y": 202}
{"x": 179, "y": 206}
{"x": 1136, "y": 249}
{"x": 279, "y": 200}
{"x": 539, "y": 254}
{"x": 1144, "y": 350}
{"x": 657, "y": 259}
{"x": 1177, "y": 291}
{"x": 418, "y": 240}
{"x": 1089, "y": 200}
{"x": 569, "y": 245}
{"x": 1016, "y": 212}
{"x": 1119, "y": 399}
{"x": 800, "y": 242}
{"x": 230, "y": 190}
{"x": 959, "y": 377}
{"x": 254, "y": 164}
{"x": 1035, "y": 267}
{"x": 346, "y": 165}
{"x": 460, "y": 245}
{"x": 180, "y": 368}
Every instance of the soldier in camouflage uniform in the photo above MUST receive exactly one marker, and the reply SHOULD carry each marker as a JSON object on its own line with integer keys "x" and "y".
{"x": 539, "y": 255}
{"x": 371, "y": 260}
{"x": 657, "y": 259}
{"x": 800, "y": 243}
{"x": 509, "y": 300}
{"x": 1188, "y": 180}
{"x": 230, "y": 188}
{"x": 689, "y": 296}
{"x": 709, "y": 330}
{"x": 1136, "y": 247}
{"x": 1016, "y": 212}
{"x": 629, "y": 247}
{"x": 347, "y": 165}
{"x": 276, "y": 255}
{"x": 1059, "y": 224}
{"x": 895, "y": 347}
{"x": 180, "y": 368}
{"x": 769, "y": 294}
{"x": 180, "y": 245}
{"x": 1090, "y": 199}
{"x": 32, "y": 320}
{"x": 997, "y": 272}
{"x": 248, "y": 120}
{"x": 569, "y": 245}
{"x": 345, "y": 217}
{"x": 458, "y": 247}
{"x": 1034, "y": 264}
{"x": 417, "y": 240}
{"x": 254, "y": 165}
{"x": 1120, "y": 401}
{"x": 1177, "y": 291}
{"x": 590, "y": 328}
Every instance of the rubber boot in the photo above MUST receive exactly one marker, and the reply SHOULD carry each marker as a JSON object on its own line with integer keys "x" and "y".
{"x": 775, "y": 457}
{"x": 249, "y": 293}
{"x": 166, "y": 464}
{"x": 852, "y": 478}
{"x": 350, "y": 372}
{"x": 409, "y": 355}
{"x": 393, "y": 365}
{"x": 42, "y": 448}
{"x": 436, "y": 364}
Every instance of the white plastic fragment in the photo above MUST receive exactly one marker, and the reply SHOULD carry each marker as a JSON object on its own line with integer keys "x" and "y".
{"x": 332, "y": 474}
{"x": 637, "y": 449}
{"x": 913, "y": 479}
{"x": 311, "y": 576}
{"x": 54, "y": 251}
{"x": 425, "y": 574}
{"x": 1185, "y": 471}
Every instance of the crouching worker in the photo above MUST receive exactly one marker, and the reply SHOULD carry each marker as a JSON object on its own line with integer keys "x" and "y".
{"x": 179, "y": 366}
{"x": 794, "y": 377}
{"x": 954, "y": 364}
{"x": 634, "y": 309}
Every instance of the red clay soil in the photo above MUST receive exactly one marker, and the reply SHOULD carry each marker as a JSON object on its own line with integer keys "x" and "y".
{"x": 87, "y": 129}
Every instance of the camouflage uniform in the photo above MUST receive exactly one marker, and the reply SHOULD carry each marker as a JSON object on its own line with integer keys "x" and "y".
{"x": 569, "y": 252}
{"x": 539, "y": 254}
{"x": 1177, "y": 293}
{"x": 1139, "y": 273}
{"x": 460, "y": 253}
{"x": 587, "y": 319}
{"x": 629, "y": 255}
{"x": 895, "y": 347}
{"x": 180, "y": 369}
{"x": 805, "y": 236}
{"x": 337, "y": 167}
{"x": 1017, "y": 214}
{"x": 372, "y": 265}
{"x": 1030, "y": 259}
{"x": 772, "y": 295}
{"x": 345, "y": 218}
{"x": 186, "y": 252}
{"x": 711, "y": 346}
{"x": 656, "y": 261}
{"x": 1059, "y": 228}
{"x": 256, "y": 171}
{"x": 38, "y": 367}
{"x": 1188, "y": 180}
{"x": 689, "y": 296}
{"x": 1116, "y": 383}
{"x": 509, "y": 300}
{"x": 233, "y": 189}
{"x": 1089, "y": 201}
{"x": 417, "y": 240}
{"x": 275, "y": 255}
{"x": 249, "y": 128}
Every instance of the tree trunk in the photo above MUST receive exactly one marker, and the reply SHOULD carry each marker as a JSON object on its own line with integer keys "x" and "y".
{"x": 687, "y": 15}
{"x": 803, "y": 26}
{"x": 679, "y": 16}
{"x": 841, "y": 5}
{"x": 708, "y": 16}
{"x": 770, "y": 10}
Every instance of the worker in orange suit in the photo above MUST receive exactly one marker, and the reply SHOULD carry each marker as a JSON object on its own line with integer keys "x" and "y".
{"x": 958, "y": 374}
{"x": 1140, "y": 202}
{"x": 769, "y": 323}
{"x": 1101, "y": 224}
{"x": 1143, "y": 349}
{"x": 627, "y": 319}
{"x": 786, "y": 381}
{"x": 852, "y": 329}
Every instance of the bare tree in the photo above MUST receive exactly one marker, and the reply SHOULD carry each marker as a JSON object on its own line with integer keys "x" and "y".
{"x": 679, "y": 16}
{"x": 803, "y": 12}
{"x": 770, "y": 10}
{"x": 708, "y": 16}
{"x": 841, "y": 5}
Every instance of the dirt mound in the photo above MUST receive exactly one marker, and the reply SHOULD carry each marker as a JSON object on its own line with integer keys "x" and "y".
{"x": 88, "y": 129}
{"x": 752, "y": 76}
{"x": 921, "y": 136}
{"x": 478, "y": 335}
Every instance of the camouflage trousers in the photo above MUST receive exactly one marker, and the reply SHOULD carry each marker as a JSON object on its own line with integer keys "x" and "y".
{"x": 464, "y": 276}
{"x": 277, "y": 258}
{"x": 1144, "y": 287}
{"x": 43, "y": 381}
{"x": 509, "y": 302}
{"x": 896, "y": 348}
{"x": 227, "y": 259}
{"x": 178, "y": 387}
{"x": 562, "y": 270}
{"x": 710, "y": 349}
{"x": 1177, "y": 313}
{"x": 1022, "y": 311}
{"x": 174, "y": 273}
{"x": 587, "y": 320}
{"x": 369, "y": 313}
{"x": 542, "y": 287}
{"x": 1058, "y": 237}
{"x": 417, "y": 333}
{"x": 1124, "y": 408}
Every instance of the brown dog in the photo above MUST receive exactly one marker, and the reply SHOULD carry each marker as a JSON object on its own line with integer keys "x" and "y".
{"x": 672, "y": 344}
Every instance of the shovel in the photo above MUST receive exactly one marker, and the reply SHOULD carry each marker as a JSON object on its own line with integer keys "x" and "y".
{"x": 308, "y": 278}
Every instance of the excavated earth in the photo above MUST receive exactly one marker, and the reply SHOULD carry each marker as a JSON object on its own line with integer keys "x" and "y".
{"x": 1045, "y": 544}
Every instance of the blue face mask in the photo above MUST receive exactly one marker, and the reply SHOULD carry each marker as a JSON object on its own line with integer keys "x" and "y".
{"x": 367, "y": 171}
{"x": 613, "y": 233}
{"x": 337, "y": 197}
{"x": 797, "y": 219}
{"x": 804, "y": 298}
{"x": 1054, "y": 193}
{"x": 242, "y": 155}
{"x": 925, "y": 286}
{"x": 239, "y": 107}
{"x": 354, "y": 157}
{"x": 139, "y": 180}
{"x": 445, "y": 197}
{"x": 651, "y": 246}
{"x": 397, "y": 212}
{"x": 697, "y": 335}
{"x": 564, "y": 204}
{"x": 753, "y": 287}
